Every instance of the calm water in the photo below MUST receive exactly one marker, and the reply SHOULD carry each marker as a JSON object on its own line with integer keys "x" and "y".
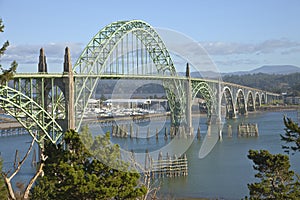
{"x": 223, "y": 174}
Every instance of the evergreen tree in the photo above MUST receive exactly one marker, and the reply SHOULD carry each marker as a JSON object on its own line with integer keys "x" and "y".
{"x": 291, "y": 136}
{"x": 276, "y": 179}
{"x": 3, "y": 191}
{"x": 73, "y": 172}
{"x": 7, "y": 74}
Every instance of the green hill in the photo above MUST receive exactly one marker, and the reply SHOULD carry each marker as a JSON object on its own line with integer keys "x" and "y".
{"x": 277, "y": 83}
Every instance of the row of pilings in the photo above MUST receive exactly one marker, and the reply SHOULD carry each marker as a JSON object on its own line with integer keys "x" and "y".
{"x": 127, "y": 130}
{"x": 244, "y": 130}
{"x": 164, "y": 166}
{"x": 12, "y": 132}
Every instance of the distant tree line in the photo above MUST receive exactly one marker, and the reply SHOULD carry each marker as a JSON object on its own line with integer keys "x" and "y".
{"x": 276, "y": 83}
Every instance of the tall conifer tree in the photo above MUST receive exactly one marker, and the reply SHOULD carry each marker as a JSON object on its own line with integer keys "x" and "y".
{"x": 7, "y": 74}
{"x": 72, "y": 171}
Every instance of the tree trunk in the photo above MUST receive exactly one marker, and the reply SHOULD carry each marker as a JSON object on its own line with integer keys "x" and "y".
{"x": 8, "y": 178}
{"x": 9, "y": 188}
{"x": 29, "y": 186}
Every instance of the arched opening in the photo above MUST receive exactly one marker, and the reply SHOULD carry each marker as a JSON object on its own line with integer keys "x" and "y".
{"x": 240, "y": 103}
{"x": 263, "y": 99}
{"x": 227, "y": 103}
{"x": 250, "y": 102}
{"x": 257, "y": 101}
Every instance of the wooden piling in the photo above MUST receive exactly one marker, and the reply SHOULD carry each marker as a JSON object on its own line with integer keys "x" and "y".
{"x": 131, "y": 130}
{"x": 33, "y": 162}
{"x": 137, "y": 132}
{"x": 148, "y": 133}
{"x": 170, "y": 166}
{"x": 229, "y": 130}
{"x": 198, "y": 133}
{"x": 17, "y": 159}
{"x": 247, "y": 130}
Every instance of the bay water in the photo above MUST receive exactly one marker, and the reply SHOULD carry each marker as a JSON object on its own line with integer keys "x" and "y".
{"x": 222, "y": 174}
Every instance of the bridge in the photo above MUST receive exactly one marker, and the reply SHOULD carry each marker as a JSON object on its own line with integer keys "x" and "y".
{"x": 48, "y": 104}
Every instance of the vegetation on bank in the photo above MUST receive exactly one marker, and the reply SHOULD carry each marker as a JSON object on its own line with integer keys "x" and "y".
{"x": 277, "y": 181}
{"x": 3, "y": 190}
{"x": 276, "y": 83}
{"x": 6, "y": 74}
{"x": 83, "y": 167}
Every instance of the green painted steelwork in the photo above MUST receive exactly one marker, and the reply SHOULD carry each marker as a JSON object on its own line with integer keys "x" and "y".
{"x": 207, "y": 93}
{"x": 96, "y": 60}
{"x": 33, "y": 117}
{"x": 121, "y": 50}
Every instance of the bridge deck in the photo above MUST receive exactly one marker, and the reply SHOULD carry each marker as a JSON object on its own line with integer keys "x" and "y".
{"x": 133, "y": 76}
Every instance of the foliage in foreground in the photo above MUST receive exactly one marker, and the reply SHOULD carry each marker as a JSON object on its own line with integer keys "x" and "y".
{"x": 6, "y": 74}
{"x": 72, "y": 172}
{"x": 276, "y": 178}
{"x": 291, "y": 136}
{"x": 3, "y": 191}
{"x": 277, "y": 181}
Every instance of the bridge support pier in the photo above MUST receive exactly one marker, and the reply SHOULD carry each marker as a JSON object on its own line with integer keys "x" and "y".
{"x": 69, "y": 90}
{"x": 189, "y": 125}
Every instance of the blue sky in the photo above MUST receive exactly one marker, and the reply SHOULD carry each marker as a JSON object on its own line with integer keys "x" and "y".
{"x": 238, "y": 35}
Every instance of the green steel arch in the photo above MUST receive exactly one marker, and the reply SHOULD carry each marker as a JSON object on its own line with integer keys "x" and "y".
{"x": 207, "y": 93}
{"x": 92, "y": 62}
{"x": 92, "y": 59}
{"x": 36, "y": 120}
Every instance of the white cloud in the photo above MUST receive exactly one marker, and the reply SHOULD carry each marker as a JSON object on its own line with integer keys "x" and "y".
{"x": 224, "y": 54}
{"x": 29, "y": 54}
{"x": 265, "y": 47}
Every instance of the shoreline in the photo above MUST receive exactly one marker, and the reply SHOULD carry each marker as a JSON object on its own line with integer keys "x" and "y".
{"x": 277, "y": 108}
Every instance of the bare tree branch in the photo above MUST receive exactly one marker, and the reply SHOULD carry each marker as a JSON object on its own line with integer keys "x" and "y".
{"x": 37, "y": 174}
{"x": 8, "y": 178}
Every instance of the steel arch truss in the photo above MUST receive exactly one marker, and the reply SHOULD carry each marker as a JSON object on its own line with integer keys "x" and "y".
{"x": 32, "y": 116}
{"x": 207, "y": 93}
{"x": 95, "y": 57}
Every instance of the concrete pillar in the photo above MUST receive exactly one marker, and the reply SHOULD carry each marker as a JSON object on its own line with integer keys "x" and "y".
{"x": 189, "y": 127}
{"x": 69, "y": 90}
{"x": 42, "y": 66}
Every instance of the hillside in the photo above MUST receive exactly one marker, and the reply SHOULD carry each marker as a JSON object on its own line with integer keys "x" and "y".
{"x": 269, "y": 69}
{"x": 277, "y": 83}
{"x": 276, "y": 69}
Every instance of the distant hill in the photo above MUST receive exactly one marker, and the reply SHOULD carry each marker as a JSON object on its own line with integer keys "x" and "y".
{"x": 270, "y": 69}
{"x": 266, "y": 69}
{"x": 278, "y": 83}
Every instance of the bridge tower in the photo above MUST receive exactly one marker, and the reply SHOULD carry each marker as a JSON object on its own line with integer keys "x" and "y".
{"x": 189, "y": 125}
{"x": 69, "y": 91}
{"x": 42, "y": 66}
{"x": 65, "y": 84}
